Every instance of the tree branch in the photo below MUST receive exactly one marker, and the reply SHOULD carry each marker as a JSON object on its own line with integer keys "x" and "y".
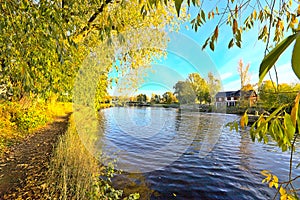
{"x": 268, "y": 40}
{"x": 94, "y": 16}
{"x": 291, "y": 161}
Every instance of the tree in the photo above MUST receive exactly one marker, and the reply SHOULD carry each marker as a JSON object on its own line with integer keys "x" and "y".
{"x": 184, "y": 92}
{"x": 247, "y": 87}
{"x": 101, "y": 96}
{"x": 155, "y": 98}
{"x": 168, "y": 97}
{"x": 142, "y": 98}
{"x": 199, "y": 86}
{"x": 214, "y": 86}
{"x": 45, "y": 42}
{"x": 243, "y": 72}
{"x": 270, "y": 98}
{"x": 245, "y": 81}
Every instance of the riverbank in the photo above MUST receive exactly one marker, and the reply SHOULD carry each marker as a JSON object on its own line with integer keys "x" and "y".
{"x": 53, "y": 163}
{"x": 23, "y": 166}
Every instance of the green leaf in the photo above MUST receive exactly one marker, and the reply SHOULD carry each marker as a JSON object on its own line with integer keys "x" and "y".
{"x": 246, "y": 118}
{"x": 296, "y": 57}
{"x": 289, "y": 127}
{"x": 203, "y": 15}
{"x": 236, "y": 126}
{"x": 261, "y": 122}
{"x": 212, "y": 45}
{"x": 238, "y": 43}
{"x": 284, "y": 148}
{"x": 294, "y": 113}
{"x": 205, "y": 44}
{"x": 270, "y": 59}
{"x": 231, "y": 43}
{"x": 276, "y": 112}
{"x": 178, "y": 6}
{"x": 196, "y": 2}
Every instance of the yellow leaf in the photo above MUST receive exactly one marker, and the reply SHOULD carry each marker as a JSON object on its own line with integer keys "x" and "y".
{"x": 234, "y": 26}
{"x": 265, "y": 172}
{"x": 294, "y": 113}
{"x": 290, "y": 197}
{"x": 283, "y": 197}
{"x": 216, "y": 32}
{"x": 264, "y": 180}
{"x": 236, "y": 11}
{"x": 275, "y": 179}
{"x": 276, "y": 185}
{"x": 269, "y": 177}
{"x": 294, "y": 21}
{"x": 242, "y": 122}
{"x": 254, "y": 14}
{"x": 281, "y": 24}
{"x": 282, "y": 191}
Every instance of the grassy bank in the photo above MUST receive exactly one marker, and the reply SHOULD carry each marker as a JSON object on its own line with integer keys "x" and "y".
{"x": 75, "y": 173}
{"x": 19, "y": 119}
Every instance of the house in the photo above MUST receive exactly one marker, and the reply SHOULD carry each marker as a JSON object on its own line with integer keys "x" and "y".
{"x": 250, "y": 96}
{"x": 234, "y": 98}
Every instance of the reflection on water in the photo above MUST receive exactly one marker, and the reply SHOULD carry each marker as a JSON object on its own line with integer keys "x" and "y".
{"x": 188, "y": 155}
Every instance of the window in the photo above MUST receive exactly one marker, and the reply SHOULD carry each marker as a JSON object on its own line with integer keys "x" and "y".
{"x": 220, "y": 99}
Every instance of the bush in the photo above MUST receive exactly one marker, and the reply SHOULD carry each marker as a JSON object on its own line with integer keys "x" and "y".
{"x": 18, "y": 119}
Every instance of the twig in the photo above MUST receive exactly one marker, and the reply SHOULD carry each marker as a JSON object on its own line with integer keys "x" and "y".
{"x": 94, "y": 16}
{"x": 291, "y": 161}
{"x": 269, "y": 35}
{"x": 286, "y": 182}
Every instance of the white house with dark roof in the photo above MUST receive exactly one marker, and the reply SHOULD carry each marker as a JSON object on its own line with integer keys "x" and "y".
{"x": 232, "y": 98}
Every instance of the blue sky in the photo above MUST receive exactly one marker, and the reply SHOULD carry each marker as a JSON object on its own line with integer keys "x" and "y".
{"x": 222, "y": 62}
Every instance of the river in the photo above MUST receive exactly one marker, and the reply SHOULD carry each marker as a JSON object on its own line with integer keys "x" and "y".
{"x": 174, "y": 154}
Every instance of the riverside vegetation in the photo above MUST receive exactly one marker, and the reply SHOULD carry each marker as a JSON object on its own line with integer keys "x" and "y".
{"x": 75, "y": 173}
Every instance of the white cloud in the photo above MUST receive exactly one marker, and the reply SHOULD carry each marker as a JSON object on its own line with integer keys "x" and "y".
{"x": 285, "y": 74}
{"x": 226, "y": 75}
{"x": 233, "y": 85}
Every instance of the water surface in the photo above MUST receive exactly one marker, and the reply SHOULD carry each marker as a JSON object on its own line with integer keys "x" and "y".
{"x": 189, "y": 155}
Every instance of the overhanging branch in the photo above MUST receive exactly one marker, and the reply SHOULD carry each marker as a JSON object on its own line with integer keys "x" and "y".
{"x": 94, "y": 16}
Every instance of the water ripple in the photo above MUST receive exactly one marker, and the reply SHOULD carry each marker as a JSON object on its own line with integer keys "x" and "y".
{"x": 229, "y": 169}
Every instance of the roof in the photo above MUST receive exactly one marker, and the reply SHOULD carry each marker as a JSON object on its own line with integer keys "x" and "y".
{"x": 248, "y": 93}
{"x": 235, "y": 93}
{"x": 228, "y": 94}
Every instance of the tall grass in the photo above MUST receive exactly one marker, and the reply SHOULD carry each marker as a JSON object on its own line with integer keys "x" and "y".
{"x": 75, "y": 173}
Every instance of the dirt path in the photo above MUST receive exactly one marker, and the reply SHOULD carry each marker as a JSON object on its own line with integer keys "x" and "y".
{"x": 23, "y": 169}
